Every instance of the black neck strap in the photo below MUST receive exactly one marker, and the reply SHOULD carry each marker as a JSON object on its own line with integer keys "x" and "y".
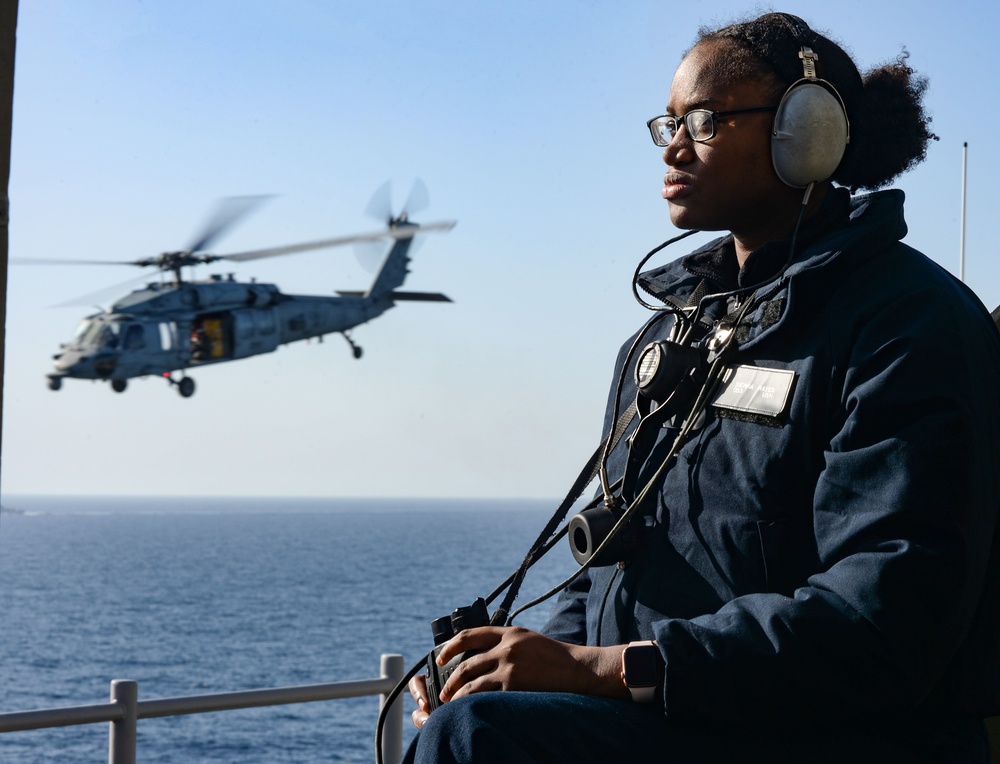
{"x": 549, "y": 536}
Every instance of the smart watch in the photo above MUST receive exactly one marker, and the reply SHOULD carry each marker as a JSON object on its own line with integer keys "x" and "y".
{"x": 642, "y": 668}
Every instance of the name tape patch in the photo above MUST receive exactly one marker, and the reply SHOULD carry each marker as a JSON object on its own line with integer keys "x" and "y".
{"x": 755, "y": 390}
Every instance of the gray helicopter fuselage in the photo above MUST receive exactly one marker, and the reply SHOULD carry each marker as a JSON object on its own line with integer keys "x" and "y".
{"x": 155, "y": 330}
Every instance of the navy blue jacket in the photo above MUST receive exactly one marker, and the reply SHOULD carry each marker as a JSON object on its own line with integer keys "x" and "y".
{"x": 840, "y": 560}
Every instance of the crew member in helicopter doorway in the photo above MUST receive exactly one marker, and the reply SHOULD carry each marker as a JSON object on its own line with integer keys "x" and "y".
{"x": 806, "y": 567}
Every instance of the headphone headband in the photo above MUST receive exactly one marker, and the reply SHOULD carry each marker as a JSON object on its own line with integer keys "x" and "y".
{"x": 809, "y": 59}
{"x": 802, "y": 30}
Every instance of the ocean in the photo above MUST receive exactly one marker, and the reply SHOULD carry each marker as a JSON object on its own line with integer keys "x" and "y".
{"x": 190, "y": 596}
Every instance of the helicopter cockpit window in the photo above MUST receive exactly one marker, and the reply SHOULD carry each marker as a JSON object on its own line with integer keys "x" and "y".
{"x": 81, "y": 330}
{"x": 97, "y": 333}
{"x": 134, "y": 339}
{"x": 88, "y": 332}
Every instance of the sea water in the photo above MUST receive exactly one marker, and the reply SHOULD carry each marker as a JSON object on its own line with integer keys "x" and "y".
{"x": 196, "y": 596}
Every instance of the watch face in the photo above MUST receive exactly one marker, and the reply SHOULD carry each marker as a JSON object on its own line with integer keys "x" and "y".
{"x": 642, "y": 666}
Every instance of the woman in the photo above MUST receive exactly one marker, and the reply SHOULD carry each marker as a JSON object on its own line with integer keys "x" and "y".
{"x": 813, "y": 567}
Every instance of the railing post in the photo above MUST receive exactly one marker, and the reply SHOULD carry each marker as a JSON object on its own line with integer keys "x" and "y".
{"x": 121, "y": 745}
{"x": 392, "y": 733}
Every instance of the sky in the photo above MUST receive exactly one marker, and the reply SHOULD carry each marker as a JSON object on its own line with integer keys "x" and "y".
{"x": 525, "y": 120}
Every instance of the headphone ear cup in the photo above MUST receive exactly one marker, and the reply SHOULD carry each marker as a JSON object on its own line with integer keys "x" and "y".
{"x": 810, "y": 135}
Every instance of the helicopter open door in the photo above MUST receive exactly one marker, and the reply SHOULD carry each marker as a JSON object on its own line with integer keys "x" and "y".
{"x": 211, "y": 338}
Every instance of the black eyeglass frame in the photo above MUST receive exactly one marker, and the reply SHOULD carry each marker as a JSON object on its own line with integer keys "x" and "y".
{"x": 714, "y": 115}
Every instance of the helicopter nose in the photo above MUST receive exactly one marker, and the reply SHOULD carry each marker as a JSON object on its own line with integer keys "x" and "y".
{"x": 83, "y": 365}
{"x": 69, "y": 363}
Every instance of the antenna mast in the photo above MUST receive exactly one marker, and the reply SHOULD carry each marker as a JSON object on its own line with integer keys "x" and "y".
{"x": 961, "y": 251}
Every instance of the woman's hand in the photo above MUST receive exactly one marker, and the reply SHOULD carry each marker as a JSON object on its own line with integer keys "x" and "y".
{"x": 418, "y": 689}
{"x": 513, "y": 658}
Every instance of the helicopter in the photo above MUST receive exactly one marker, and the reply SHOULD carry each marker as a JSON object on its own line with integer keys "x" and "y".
{"x": 175, "y": 324}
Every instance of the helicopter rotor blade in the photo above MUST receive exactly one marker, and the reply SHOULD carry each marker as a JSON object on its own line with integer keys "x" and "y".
{"x": 226, "y": 214}
{"x": 369, "y": 254}
{"x": 403, "y": 232}
{"x": 232, "y": 209}
{"x": 292, "y": 249}
{"x": 380, "y": 205}
{"x": 418, "y": 199}
{"x": 104, "y": 294}
{"x": 67, "y": 261}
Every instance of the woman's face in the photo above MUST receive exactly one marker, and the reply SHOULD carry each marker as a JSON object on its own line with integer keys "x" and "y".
{"x": 727, "y": 183}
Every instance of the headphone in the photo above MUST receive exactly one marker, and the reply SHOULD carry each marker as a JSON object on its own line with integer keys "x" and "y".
{"x": 811, "y": 130}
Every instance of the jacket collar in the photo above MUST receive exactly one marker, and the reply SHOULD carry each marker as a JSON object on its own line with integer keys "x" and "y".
{"x": 835, "y": 229}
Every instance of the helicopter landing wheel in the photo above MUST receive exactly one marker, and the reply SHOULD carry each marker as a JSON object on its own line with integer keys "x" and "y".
{"x": 186, "y": 387}
{"x": 119, "y": 385}
{"x": 55, "y": 383}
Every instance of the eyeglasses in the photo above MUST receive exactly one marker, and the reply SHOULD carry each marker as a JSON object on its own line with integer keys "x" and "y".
{"x": 700, "y": 124}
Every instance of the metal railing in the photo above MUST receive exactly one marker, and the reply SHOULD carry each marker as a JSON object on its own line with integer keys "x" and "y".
{"x": 125, "y": 709}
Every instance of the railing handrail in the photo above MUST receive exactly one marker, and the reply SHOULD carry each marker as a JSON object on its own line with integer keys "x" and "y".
{"x": 66, "y": 716}
{"x": 125, "y": 709}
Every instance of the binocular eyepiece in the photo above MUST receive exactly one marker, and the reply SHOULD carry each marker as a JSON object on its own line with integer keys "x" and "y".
{"x": 469, "y": 617}
{"x": 443, "y": 629}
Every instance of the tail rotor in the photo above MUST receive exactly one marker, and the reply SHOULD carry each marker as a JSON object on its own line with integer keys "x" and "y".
{"x": 370, "y": 253}
{"x": 380, "y": 205}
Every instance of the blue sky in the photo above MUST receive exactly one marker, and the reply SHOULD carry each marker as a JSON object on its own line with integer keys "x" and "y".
{"x": 526, "y": 122}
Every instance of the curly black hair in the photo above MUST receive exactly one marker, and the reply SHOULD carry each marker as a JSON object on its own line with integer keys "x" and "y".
{"x": 890, "y": 130}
